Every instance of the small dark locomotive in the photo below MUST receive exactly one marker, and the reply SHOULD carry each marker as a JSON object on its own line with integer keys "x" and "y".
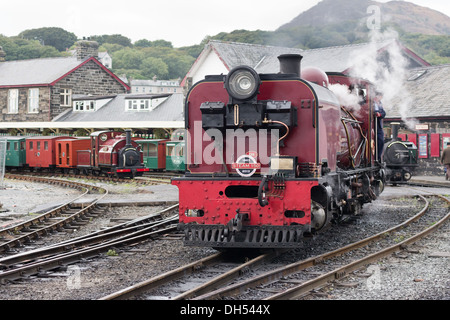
{"x": 272, "y": 158}
{"x": 400, "y": 158}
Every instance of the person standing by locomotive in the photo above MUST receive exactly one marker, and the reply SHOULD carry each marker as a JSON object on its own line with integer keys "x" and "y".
{"x": 379, "y": 114}
{"x": 445, "y": 160}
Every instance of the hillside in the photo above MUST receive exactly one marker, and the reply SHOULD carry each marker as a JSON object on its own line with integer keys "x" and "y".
{"x": 410, "y": 17}
{"x": 342, "y": 22}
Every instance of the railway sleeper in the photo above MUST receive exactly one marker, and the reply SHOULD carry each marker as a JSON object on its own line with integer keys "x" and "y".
{"x": 98, "y": 210}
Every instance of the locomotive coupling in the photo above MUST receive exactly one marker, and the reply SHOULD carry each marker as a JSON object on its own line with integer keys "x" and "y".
{"x": 235, "y": 224}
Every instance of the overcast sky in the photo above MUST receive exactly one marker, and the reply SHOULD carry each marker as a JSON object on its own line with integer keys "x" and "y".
{"x": 183, "y": 22}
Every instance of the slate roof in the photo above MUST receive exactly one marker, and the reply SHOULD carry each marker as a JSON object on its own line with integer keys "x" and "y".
{"x": 259, "y": 57}
{"x": 43, "y": 71}
{"x": 35, "y": 71}
{"x": 428, "y": 89}
{"x": 330, "y": 59}
{"x": 114, "y": 110}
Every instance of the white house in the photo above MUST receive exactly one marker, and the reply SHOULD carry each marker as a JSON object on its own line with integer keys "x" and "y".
{"x": 105, "y": 59}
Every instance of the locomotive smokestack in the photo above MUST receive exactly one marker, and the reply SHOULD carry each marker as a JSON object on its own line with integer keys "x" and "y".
{"x": 128, "y": 137}
{"x": 290, "y": 63}
{"x": 394, "y": 128}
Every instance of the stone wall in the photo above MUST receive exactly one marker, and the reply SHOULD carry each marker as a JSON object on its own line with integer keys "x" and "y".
{"x": 89, "y": 79}
{"x": 23, "y": 115}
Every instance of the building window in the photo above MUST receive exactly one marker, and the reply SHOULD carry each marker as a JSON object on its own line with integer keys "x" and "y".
{"x": 13, "y": 101}
{"x": 87, "y": 105}
{"x": 66, "y": 97}
{"x": 33, "y": 100}
{"x": 143, "y": 104}
{"x": 138, "y": 105}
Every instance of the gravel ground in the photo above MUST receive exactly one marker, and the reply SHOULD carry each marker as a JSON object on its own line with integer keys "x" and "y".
{"x": 423, "y": 274}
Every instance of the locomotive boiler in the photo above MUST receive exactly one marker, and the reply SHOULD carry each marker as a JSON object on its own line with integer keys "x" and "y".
{"x": 272, "y": 158}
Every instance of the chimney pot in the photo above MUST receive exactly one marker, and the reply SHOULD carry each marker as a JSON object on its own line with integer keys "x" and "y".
{"x": 290, "y": 63}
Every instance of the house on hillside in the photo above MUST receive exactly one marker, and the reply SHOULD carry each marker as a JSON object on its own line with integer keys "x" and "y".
{"x": 220, "y": 57}
{"x": 105, "y": 59}
{"x": 155, "y": 86}
{"x": 38, "y": 90}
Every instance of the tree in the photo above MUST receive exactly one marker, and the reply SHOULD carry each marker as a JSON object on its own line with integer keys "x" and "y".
{"x": 143, "y": 43}
{"x": 55, "y": 37}
{"x": 113, "y": 38}
{"x": 154, "y": 67}
{"x": 20, "y": 49}
{"x": 127, "y": 58}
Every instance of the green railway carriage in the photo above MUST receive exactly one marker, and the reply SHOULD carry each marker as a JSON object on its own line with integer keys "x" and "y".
{"x": 15, "y": 152}
{"x": 154, "y": 152}
{"x": 175, "y": 159}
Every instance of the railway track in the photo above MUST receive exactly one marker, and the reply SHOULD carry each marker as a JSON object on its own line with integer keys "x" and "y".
{"x": 195, "y": 278}
{"x": 65, "y": 216}
{"x": 298, "y": 279}
{"x": 207, "y": 278}
{"x": 54, "y": 256}
{"x": 147, "y": 179}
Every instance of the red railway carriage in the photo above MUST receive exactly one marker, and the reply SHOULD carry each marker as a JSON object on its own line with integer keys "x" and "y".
{"x": 67, "y": 150}
{"x": 270, "y": 158}
{"x": 42, "y": 151}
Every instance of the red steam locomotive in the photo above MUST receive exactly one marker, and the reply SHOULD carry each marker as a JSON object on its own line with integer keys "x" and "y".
{"x": 272, "y": 158}
{"x": 112, "y": 154}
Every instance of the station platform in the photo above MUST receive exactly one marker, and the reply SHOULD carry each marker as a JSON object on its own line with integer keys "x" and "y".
{"x": 430, "y": 180}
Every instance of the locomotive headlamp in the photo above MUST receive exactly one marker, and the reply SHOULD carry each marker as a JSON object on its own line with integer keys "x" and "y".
{"x": 242, "y": 83}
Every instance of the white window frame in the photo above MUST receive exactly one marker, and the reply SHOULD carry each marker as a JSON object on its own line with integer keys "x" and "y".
{"x": 84, "y": 106}
{"x": 66, "y": 97}
{"x": 137, "y": 105}
{"x": 33, "y": 100}
{"x": 13, "y": 101}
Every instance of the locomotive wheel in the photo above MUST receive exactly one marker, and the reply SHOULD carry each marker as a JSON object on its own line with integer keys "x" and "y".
{"x": 406, "y": 175}
{"x": 318, "y": 216}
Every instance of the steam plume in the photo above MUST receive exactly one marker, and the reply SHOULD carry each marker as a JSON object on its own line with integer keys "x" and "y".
{"x": 387, "y": 70}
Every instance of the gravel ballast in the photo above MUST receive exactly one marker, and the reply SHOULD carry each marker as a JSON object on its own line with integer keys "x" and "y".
{"x": 420, "y": 273}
